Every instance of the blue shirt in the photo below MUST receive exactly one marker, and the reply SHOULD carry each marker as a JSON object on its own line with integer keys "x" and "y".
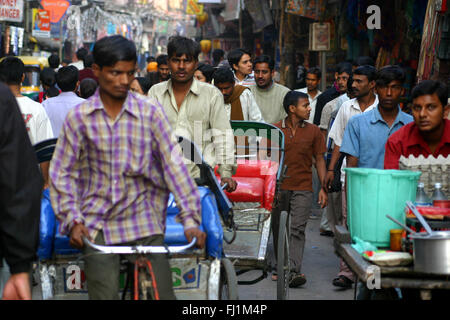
{"x": 58, "y": 107}
{"x": 366, "y": 135}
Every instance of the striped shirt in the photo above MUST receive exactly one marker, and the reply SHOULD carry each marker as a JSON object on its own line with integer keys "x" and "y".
{"x": 249, "y": 80}
{"x": 116, "y": 175}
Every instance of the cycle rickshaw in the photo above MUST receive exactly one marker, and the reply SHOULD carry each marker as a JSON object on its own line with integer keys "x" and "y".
{"x": 197, "y": 274}
{"x": 260, "y": 170}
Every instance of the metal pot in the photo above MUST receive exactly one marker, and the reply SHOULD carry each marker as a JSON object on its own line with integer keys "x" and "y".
{"x": 432, "y": 252}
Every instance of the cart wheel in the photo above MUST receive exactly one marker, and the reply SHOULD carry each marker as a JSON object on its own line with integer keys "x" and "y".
{"x": 283, "y": 266}
{"x": 228, "y": 281}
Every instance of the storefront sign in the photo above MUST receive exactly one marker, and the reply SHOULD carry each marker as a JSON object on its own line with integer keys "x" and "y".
{"x": 41, "y": 23}
{"x": 319, "y": 36}
{"x": 11, "y": 10}
{"x": 57, "y": 8}
{"x": 312, "y": 9}
{"x": 194, "y": 8}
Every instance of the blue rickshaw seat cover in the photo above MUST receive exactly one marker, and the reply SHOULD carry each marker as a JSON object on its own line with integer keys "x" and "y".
{"x": 52, "y": 241}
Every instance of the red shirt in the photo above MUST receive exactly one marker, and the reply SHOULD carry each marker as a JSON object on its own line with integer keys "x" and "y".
{"x": 408, "y": 140}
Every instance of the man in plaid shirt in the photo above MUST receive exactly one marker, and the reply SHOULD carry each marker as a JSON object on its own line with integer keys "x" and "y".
{"x": 113, "y": 169}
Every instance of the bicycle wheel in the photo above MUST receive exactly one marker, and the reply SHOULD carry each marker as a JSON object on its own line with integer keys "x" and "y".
{"x": 283, "y": 266}
{"x": 228, "y": 281}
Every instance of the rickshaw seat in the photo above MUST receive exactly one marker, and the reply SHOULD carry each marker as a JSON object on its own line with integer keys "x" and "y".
{"x": 174, "y": 234}
{"x": 256, "y": 182}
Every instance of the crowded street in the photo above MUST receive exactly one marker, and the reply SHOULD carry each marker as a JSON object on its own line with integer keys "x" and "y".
{"x": 212, "y": 150}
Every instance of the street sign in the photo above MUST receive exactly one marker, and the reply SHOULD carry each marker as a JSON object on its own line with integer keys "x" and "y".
{"x": 194, "y": 8}
{"x": 319, "y": 36}
{"x": 11, "y": 11}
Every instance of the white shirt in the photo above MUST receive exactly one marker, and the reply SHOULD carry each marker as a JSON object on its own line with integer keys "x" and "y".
{"x": 78, "y": 64}
{"x": 36, "y": 120}
{"x": 312, "y": 103}
{"x": 348, "y": 109}
{"x": 250, "y": 109}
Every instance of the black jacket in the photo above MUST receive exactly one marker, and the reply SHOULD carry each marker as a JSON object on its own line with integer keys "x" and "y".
{"x": 20, "y": 188}
{"x": 322, "y": 100}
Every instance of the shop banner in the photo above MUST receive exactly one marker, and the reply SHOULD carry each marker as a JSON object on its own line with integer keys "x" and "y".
{"x": 260, "y": 13}
{"x": 57, "y": 8}
{"x": 11, "y": 10}
{"x": 41, "y": 23}
{"x": 319, "y": 36}
{"x": 232, "y": 10}
{"x": 312, "y": 9}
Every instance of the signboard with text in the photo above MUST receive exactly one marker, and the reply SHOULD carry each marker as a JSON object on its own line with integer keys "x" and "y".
{"x": 41, "y": 23}
{"x": 11, "y": 10}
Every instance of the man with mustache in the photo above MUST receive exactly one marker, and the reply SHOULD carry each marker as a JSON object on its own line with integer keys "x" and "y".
{"x": 268, "y": 94}
{"x": 196, "y": 110}
{"x": 363, "y": 86}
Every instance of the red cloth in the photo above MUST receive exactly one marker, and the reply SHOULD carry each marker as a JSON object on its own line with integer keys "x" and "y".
{"x": 87, "y": 73}
{"x": 408, "y": 140}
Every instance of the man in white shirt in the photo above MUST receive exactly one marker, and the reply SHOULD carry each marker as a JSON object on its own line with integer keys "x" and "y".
{"x": 313, "y": 76}
{"x": 58, "y": 107}
{"x": 12, "y": 72}
{"x": 80, "y": 54}
{"x": 241, "y": 63}
{"x": 363, "y": 86}
{"x": 240, "y": 103}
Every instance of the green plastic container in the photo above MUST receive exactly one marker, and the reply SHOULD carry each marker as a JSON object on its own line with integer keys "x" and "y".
{"x": 373, "y": 193}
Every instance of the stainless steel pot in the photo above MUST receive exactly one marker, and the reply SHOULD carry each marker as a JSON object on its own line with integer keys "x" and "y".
{"x": 432, "y": 252}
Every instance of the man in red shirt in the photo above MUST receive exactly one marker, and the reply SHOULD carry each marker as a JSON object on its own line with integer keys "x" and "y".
{"x": 429, "y": 134}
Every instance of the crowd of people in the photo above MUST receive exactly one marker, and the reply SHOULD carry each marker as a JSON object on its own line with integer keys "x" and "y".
{"x": 117, "y": 158}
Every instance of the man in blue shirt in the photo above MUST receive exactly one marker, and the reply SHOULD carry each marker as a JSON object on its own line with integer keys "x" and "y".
{"x": 366, "y": 134}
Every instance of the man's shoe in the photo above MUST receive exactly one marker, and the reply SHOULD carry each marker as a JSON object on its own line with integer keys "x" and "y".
{"x": 342, "y": 282}
{"x": 327, "y": 233}
{"x": 296, "y": 280}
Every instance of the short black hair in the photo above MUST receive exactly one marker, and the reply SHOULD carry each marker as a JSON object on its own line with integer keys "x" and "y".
{"x": 390, "y": 73}
{"x": 12, "y": 70}
{"x": 87, "y": 87}
{"x": 264, "y": 58}
{"x": 291, "y": 99}
{"x": 430, "y": 87}
{"x": 179, "y": 45}
{"x": 110, "y": 50}
{"x": 316, "y": 71}
{"x": 67, "y": 78}
{"x": 48, "y": 77}
{"x": 53, "y": 61}
{"x": 365, "y": 61}
{"x": 344, "y": 67}
{"x": 88, "y": 61}
{"x": 223, "y": 75}
{"x": 162, "y": 59}
{"x": 207, "y": 70}
{"x": 144, "y": 83}
{"x": 150, "y": 59}
{"x": 234, "y": 56}
{"x": 217, "y": 54}
{"x": 368, "y": 71}
{"x": 81, "y": 53}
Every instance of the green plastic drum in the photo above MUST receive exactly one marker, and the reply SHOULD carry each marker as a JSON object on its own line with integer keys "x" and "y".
{"x": 373, "y": 193}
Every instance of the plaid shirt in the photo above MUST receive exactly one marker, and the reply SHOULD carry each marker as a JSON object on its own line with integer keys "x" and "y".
{"x": 116, "y": 175}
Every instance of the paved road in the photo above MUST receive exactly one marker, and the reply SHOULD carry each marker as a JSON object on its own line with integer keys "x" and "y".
{"x": 320, "y": 267}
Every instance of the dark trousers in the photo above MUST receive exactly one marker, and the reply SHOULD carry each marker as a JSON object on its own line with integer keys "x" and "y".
{"x": 103, "y": 271}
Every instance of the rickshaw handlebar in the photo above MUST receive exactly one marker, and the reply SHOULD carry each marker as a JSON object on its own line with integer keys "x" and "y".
{"x": 139, "y": 249}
